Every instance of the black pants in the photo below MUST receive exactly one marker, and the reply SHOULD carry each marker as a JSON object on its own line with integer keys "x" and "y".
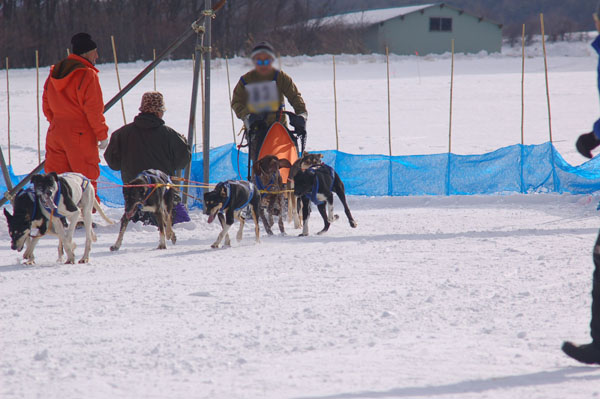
{"x": 595, "y": 324}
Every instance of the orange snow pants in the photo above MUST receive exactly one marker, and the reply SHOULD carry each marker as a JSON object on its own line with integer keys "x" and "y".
{"x": 69, "y": 149}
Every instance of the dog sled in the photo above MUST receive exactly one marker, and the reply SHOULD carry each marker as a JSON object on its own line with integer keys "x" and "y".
{"x": 277, "y": 140}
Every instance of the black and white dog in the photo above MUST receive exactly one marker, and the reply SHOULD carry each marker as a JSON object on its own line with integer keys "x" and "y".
{"x": 69, "y": 195}
{"x": 27, "y": 225}
{"x": 149, "y": 192}
{"x": 227, "y": 201}
{"x": 317, "y": 184}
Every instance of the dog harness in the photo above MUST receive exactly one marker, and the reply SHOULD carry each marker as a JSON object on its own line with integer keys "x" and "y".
{"x": 227, "y": 186}
{"x": 148, "y": 175}
{"x": 265, "y": 189}
{"x": 84, "y": 184}
{"x": 315, "y": 190}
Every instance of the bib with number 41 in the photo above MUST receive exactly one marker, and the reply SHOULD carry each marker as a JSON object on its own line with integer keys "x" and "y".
{"x": 263, "y": 97}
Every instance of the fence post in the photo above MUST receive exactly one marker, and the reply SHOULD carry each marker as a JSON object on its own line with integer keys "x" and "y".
{"x": 8, "y": 111}
{"x": 554, "y": 175}
{"x": 229, "y": 93}
{"x": 37, "y": 95}
{"x": 448, "y": 172}
{"x": 387, "y": 57}
{"x": 523, "y": 110}
{"x": 114, "y": 49}
{"x": 154, "y": 59}
{"x": 337, "y": 137}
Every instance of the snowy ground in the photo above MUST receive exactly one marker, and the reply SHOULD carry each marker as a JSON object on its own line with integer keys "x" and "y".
{"x": 459, "y": 297}
{"x": 429, "y": 297}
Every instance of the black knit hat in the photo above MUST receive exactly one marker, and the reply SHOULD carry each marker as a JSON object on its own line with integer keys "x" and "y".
{"x": 81, "y": 43}
{"x": 263, "y": 47}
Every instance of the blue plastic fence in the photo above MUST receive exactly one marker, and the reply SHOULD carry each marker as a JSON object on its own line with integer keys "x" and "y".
{"x": 514, "y": 169}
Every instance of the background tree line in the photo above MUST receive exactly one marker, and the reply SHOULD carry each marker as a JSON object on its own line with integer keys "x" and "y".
{"x": 140, "y": 26}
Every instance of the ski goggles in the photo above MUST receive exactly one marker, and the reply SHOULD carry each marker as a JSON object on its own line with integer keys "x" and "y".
{"x": 266, "y": 62}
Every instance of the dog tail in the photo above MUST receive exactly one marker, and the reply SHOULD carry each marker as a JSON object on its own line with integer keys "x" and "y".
{"x": 98, "y": 209}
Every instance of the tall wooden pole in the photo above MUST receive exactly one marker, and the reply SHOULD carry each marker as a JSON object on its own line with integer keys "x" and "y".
{"x": 37, "y": 95}
{"x": 114, "y": 49}
{"x": 451, "y": 100}
{"x": 337, "y": 136}
{"x": 546, "y": 73}
{"x": 523, "y": 89}
{"x": 154, "y": 58}
{"x": 387, "y": 57}
{"x": 8, "y": 111}
{"x": 229, "y": 93}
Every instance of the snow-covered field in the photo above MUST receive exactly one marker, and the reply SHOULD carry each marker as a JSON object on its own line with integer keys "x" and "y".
{"x": 463, "y": 297}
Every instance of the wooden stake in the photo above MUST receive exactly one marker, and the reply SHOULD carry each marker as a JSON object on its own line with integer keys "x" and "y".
{"x": 202, "y": 89}
{"x": 37, "y": 94}
{"x": 387, "y": 56}
{"x": 229, "y": 93}
{"x": 546, "y": 72}
{"x": 523, "y": 89}
{"x": 8, "y": 111}
{"x": 114, "y": 48}
{"x": 451, "y": 100}
{"x": 154, "y": 57}
{"x": 337, "y": 137}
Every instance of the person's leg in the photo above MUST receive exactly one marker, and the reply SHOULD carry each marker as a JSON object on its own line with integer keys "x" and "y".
{"x": 56, "y": 158}
{"x": 595, "y": 324}
{"x": 590, "y": 353}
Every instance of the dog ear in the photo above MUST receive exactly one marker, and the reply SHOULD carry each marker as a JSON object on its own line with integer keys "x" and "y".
{"x": 320, "y": 156}
{"x": 284, "y": 163}
{"x": 35, "y": 179}
{"x": 7, "y": 215}
{"x": 54, "y": 175}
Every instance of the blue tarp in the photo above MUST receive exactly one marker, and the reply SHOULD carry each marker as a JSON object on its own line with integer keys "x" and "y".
{"x": 514, "y": 169}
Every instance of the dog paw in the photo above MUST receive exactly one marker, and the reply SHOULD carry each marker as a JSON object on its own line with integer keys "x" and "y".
{"x": 114, "y": 248}
{"x": 70, "y": 262}
{"x": 283, "y": 234}
{"x": 161, "y": 246}
{"x": 303, "y": 235}
{"x": 333, "y": 218}
{"x": 29, "y": 262}
{"x": 84, "y": 260}
{"x": 320, "y": 233}
{"x": 353, "y": 224}
{"x": 215, "y": 246}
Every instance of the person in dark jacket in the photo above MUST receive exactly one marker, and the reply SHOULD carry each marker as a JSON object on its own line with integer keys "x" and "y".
{"x": 590, "y": 353}
{"x": 589, "y": 141}
{"x": 147, "y": 143}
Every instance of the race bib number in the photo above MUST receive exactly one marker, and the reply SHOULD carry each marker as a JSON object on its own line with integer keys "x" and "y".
{"x": 263, "y": 97}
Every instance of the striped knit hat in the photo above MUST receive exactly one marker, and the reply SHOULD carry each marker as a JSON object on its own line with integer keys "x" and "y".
{"x": 263, "y": 48}
{"x": 152, "y": 103}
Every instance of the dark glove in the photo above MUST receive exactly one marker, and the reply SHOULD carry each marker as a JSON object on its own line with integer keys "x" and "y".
{"x": 298, "y": 122}
{"x": 586, "y": 143}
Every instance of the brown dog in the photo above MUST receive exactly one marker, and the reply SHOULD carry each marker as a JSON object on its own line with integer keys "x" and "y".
{"x": 301, "y": 164}
{"x": 268, "y": 180}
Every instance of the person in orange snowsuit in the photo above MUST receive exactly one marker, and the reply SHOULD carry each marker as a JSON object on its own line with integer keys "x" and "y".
{"x": 73, "y": 104}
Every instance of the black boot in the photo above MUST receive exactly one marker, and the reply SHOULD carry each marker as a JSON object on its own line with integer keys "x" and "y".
{"x": 586, "y": 143}
{"x": 588, "y": 353}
